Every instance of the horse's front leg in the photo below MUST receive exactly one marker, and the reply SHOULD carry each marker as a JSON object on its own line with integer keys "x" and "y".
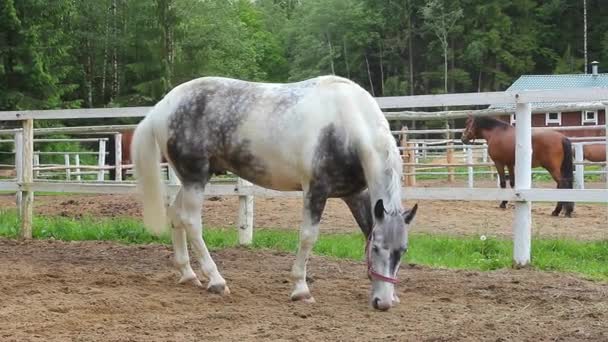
{"x": 314, "y": 204}
{"x": 500, "y": 168}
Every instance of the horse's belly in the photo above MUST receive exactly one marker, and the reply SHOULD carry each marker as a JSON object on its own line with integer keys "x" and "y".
{"x": 269, "y": 169}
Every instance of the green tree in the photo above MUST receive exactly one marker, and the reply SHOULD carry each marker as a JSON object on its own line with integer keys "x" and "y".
{"x": 36, "y": 55}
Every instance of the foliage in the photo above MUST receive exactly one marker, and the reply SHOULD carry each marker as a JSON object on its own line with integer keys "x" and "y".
{"x": 64, "y": 53}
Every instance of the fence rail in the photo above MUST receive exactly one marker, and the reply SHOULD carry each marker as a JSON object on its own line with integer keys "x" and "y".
{"x": 523, "y": 195}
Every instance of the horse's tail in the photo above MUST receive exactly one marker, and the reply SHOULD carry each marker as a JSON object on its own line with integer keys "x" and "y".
{"x": 145, "y": 155}
{"x": 567, "y": 168}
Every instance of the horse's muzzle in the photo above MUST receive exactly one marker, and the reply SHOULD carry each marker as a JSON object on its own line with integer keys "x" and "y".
{"x": 379, "y": 305}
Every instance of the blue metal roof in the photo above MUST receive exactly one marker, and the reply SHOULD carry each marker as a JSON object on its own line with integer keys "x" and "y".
{"x": 555, "y": 82}
{"x": 550, "y": 82}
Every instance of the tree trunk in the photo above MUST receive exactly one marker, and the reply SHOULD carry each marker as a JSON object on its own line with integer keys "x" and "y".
{"x": 164, "y": 11}
{"x": 115, "y": 83}
{"x": 585, "y": 32}
{"x": 411, "y": 53}
{"x": 452, "y": 66}
{"x": 346, "y": 58}
{"x": 381, "y": 68}
{"x": 445, "y": 67}
{"x": 104, "y": 62}
{"x": 369, "y": 76}
{"x": 331, "y": 55}
{"x": 89, "y": 75}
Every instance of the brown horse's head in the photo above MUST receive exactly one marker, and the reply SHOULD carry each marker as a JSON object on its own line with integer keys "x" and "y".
{"x": 470, "y": 130}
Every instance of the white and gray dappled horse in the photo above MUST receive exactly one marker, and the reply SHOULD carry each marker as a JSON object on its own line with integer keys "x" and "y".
{"x": 325, "y": 136}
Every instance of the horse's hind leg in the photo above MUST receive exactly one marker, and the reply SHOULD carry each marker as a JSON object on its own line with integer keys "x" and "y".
{"x": 187, "y": 217}
{"x": 180, "y": 246}
{"x": 314, "y": 204}
{"x": 564, "y": 184}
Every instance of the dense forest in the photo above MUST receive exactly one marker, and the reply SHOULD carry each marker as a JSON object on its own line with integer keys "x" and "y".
{"x": 96, "y": 53}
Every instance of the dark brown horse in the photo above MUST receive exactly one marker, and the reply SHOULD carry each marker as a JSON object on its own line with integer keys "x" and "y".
{"x": 595, "y": 152}
{"x": 550, "y": 149}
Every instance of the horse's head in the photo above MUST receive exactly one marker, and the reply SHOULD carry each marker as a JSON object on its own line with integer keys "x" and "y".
{"x": 386, "y": 244}
{"x": 470, "y": 130}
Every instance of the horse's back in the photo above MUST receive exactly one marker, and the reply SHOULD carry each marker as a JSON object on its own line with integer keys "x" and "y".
{"x": 267, "y": 133}
{"x": 546, "y": 145}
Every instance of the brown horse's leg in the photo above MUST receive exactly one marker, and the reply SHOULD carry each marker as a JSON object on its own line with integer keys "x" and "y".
{"x": 562, "y": 173}
{"x": 557, "y": 177}
{"x": 500, "y": 168}
{"x": 511, "y": 176}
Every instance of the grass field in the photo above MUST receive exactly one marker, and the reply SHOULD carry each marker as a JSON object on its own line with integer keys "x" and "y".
{"x": 586, "y": 258}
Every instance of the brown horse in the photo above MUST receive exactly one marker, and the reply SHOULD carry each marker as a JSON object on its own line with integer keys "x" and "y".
{"x": 126, "y": 139}
{"x": 127, "y": 136}
{"x": 595, "y": 152}
{"x": 550, "y": 149}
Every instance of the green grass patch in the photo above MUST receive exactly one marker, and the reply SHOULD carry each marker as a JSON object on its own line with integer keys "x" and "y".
{"x": 586, "y": 258}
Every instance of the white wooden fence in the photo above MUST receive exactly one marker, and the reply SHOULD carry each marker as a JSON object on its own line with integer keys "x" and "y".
{"x": 523, "y": 195}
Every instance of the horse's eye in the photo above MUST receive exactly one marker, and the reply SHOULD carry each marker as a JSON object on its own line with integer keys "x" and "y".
{"x": 375, "y": 249}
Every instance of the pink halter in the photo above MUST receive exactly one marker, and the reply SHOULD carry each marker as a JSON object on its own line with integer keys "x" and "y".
{"x": 370, "y": 270}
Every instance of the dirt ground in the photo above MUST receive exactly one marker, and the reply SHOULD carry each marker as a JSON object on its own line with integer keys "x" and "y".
{"x": 589, "y": 222}
{"x": 94, "y": 291}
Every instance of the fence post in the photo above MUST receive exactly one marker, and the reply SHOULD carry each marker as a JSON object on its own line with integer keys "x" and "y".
{"x": 484, "y": 158}
{"x": 68, "y": 172}
{"x": 77, "y": 163}
{"x": 579, "y": 176}
{"x": 424, "y": 151}
{"x": 245, "y": 223}
{"x": 403, "y": 143}
{"x": 470, "y": 168}
{"x": 36, "y": 163}
{"x": 27, "y": 203}
{"x": 450, "y": 160}
{"x": 101, "y": 160}
{"x": 522, "y": 222}
{"x": 118, "y": 156}
{"x": 19, "y": 168}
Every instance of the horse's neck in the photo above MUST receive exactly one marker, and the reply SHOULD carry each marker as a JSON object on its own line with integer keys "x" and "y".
{"x": 384, "y": 185}
{"x": 488, "y": 134}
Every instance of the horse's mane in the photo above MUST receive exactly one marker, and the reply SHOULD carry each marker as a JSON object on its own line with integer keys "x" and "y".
{"x": 485, "y": 122}
{"x": 393, "y": 170}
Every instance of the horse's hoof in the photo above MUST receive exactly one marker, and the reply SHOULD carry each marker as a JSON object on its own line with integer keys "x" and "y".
{"x": 303, "y": 297}
{"x": 503, "y": 206}
{"x": 190, "y": 280}
{"x": 554, "y": 214}
{"x": 220, "y": 289}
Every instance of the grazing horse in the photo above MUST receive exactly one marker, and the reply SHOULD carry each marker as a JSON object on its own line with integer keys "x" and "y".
{"x": 324, "y": 136}
{"x": 595, "y": 152}
{"x": 550, "y": 149}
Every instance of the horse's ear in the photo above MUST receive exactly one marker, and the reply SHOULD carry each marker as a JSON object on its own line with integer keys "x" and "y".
{"x": 379, "y": 210}
{"x": 409, "y": 215}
